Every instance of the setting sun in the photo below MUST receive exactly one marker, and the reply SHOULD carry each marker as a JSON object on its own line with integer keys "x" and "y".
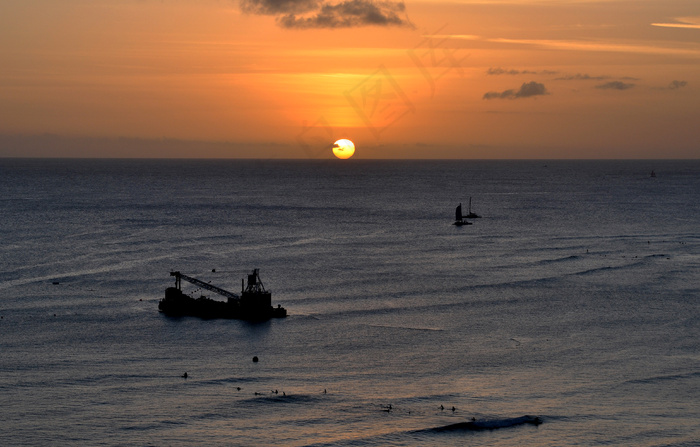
{"x": 343, "y": 149}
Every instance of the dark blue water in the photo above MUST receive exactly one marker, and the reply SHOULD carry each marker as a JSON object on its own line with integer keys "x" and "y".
{"x": 575, "y": 298}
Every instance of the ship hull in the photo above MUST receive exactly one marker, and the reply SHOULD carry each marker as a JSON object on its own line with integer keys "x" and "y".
{"x": 177, "y": 304}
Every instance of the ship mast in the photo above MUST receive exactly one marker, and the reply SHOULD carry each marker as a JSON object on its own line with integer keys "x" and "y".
{"x": 255, "y": 285}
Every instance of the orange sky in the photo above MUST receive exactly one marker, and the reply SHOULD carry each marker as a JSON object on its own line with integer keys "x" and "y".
{"x": 457, "y": 79}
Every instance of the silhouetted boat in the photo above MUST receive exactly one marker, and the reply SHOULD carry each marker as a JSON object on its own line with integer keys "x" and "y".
{"x": 254, "y": 303}
{"x": 470, "y": 214}
{"x": 459, "y": 219}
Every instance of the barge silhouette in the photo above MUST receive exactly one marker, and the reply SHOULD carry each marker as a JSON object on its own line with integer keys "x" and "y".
{"x": 254, "y": 302}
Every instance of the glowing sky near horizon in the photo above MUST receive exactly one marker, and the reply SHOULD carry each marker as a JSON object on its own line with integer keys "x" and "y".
{"x": 432, "y": 79}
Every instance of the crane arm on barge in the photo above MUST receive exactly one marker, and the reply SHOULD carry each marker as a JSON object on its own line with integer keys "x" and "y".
{"x": 179, "y": 276}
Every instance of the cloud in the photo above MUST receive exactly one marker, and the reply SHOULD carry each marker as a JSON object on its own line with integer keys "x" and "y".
{"x": 531, "y": 89}
{"x": 503, "y": 71}
{"x": 507, "y": 94}
{"x": 527, "y": 90}
{"x": 615, "y": 85}
{"x": 676, "y": 25}
{"x": 276, "y": 7}
{"x": 454, "y": 36}
{"x": 674, "y": 85}
{"x": 582, "y": 77}
{"x": 587, "y": 77}
{"x": 684, "y": 22}
{"x": 308, "y": 14}
{"x": 600, "y": 47}
{"x": 592, "y": 46}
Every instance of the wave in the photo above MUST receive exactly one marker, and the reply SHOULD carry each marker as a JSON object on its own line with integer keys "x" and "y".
{"x": 489, "y": 424}
{"x": 281, "y": 397}
{"x": 557, "y": 260}
{"x": 665, "y": 378}
{"x": 410, "y": 328}
{"x": 427, "y": 436}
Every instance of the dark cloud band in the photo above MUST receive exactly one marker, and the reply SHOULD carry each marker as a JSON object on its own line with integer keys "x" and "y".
{"x": 527, "y": 90}
{"x": 674, "y": 85}
{"x": 615, "y": 85}
{"x": 307, "y": 14}
{"x": 277, "y": 7}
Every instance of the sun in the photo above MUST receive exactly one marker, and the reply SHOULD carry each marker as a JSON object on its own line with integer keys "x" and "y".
{"x": 343, "y": 148}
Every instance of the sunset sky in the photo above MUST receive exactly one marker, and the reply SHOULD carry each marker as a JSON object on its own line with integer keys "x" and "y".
{"x": 413, "y": 79}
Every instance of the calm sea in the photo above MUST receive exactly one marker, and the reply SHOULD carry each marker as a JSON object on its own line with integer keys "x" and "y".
{"x": 575, "y": 299}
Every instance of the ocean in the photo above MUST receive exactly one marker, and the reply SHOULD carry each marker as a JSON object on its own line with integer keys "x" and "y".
{"x": 574, "y": 299}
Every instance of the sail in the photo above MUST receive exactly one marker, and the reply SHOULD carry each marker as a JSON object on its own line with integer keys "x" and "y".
{"x": 470, "y": 214}
{"x": 458, "y": 212}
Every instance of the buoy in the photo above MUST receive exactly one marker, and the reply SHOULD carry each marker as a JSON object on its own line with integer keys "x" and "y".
{"x": 255, "y": 359}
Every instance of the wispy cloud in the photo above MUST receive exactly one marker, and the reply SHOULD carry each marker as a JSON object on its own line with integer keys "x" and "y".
{"x": 573, "y": 45}
{"x": 582, "y": 77}
{"x": 675, "y": 85}
{"x": 454, "y": 36}
{"x": 615, "y": 85}
{"x": 311, "y": 14}
{"x": 676, "y": 25}
{"x": 527, "y": 90}
{"x": 503, "y": 71}
{"x": 683, "y": 22}
{"x": 587, "y": 77}
{"x": 584, "y": 45}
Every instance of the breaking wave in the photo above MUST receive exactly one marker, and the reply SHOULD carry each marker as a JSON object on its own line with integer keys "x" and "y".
{"x": 489, "y": 424}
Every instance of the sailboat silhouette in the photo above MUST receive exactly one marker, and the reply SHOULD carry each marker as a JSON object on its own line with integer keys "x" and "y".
{"x": 459, "y": 220}
{"x": 470, "y": 214}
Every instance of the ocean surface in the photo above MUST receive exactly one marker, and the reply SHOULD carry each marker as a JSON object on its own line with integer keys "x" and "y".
{"x": 574, "y": 299}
